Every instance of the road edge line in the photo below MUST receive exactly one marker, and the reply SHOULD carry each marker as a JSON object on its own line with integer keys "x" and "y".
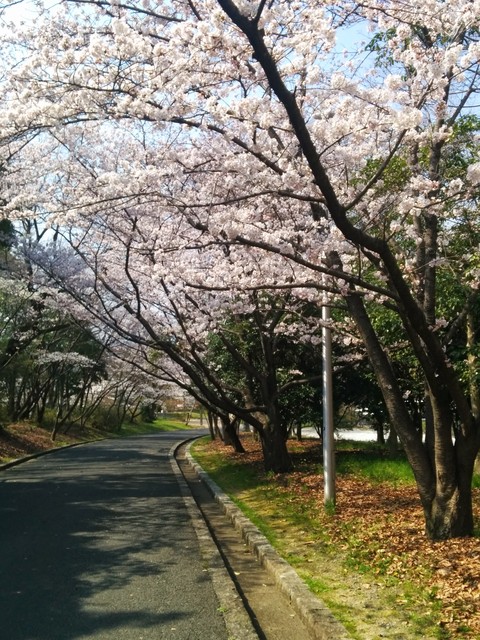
{"x": 237, "y": 621}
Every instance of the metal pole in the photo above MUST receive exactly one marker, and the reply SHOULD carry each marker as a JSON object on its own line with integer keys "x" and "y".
{"x": 328, "y": 437}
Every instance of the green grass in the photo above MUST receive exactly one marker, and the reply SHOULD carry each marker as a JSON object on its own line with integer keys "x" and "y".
{"x": 133, "y": 429}
{"x": 140, "y": 428}
{"x": 370, "y": 462}
{"x": 233, "y": 477}
{"x": 374, "y": 468}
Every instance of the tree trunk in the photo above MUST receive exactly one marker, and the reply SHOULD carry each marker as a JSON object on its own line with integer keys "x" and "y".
{"x": 57, "y": 425}
{"x": 211, "y": 425}
{"x": 276, "y": 457}
{"x": 472, "y": 364}
{"x": 380, "y": 432}
{"x": 443, "y": 470}
{"x": 450, "y": 512}
{"x": 41, "y": 411}
{"x": 298, "y": 431}
{"x": 392, "y": 442}
{"x": 230, "y": 434}
{"x": 11, "y": 397}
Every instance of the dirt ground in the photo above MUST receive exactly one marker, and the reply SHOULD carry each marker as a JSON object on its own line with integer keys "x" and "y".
{"x": 19, "y": 440}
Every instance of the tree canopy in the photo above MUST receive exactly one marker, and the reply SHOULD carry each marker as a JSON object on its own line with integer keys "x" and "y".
{"x": 187, "y": 154}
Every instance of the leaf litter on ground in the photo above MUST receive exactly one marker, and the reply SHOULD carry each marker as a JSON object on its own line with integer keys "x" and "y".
{"x": 378, "y": 530}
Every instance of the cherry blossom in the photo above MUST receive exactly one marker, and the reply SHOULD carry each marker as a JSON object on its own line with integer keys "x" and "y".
{"x": 189, "y": 154}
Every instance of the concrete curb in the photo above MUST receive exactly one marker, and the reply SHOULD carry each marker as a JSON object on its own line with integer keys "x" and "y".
{"x": 314, "y": 613}
{"x": 38, "y": 454}
{"x": 237, "y": 620}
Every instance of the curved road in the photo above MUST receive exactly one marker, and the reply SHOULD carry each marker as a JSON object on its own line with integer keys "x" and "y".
{"x": 96, "y": 542}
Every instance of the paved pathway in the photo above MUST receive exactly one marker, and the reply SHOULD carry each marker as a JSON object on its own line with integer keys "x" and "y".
{"x": 96, "y": 542}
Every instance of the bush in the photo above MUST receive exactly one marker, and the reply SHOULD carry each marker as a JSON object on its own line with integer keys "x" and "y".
{"x": 107, "y": 418}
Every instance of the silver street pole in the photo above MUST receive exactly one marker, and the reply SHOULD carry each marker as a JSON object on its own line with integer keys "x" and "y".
{"x": 328, "y": 437}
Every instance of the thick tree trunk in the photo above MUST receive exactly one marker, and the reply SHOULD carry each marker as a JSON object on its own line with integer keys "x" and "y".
{"x": 274, "y": 434}
{"x": 443, "y": 470}
{"x": 450, "y": 516}
{"x": 276, "y": 457}
{"x": 230, "y": 434}
{"x": 449, "y": 513}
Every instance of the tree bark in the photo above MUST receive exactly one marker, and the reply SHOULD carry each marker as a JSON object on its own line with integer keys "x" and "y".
{"x": 211, "y": 425}
{"x": 472, "y": 363}
{"x": 230, "y": 434}
{"x": 276, "y": 457}
{"x": 443, "y": 469}
{"x": 392, "y": 442}
{"x": 450, "y": 514}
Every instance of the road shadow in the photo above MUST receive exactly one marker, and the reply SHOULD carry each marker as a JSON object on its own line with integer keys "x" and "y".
{"x": 92, "y": 540}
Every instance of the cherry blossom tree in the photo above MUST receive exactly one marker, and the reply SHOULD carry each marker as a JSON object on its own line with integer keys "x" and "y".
{"x": 113, "y": 274}
{"x": 270, "y": 129}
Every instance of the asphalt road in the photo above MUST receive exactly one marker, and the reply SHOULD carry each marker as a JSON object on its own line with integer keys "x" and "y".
{"x": 96, "y": 542}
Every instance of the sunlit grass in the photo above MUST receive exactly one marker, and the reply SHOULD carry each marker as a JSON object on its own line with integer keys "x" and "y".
{"x": 141, "y": 428}
{"x": 396, "y": 471}
{"x": 234, "y": 476}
